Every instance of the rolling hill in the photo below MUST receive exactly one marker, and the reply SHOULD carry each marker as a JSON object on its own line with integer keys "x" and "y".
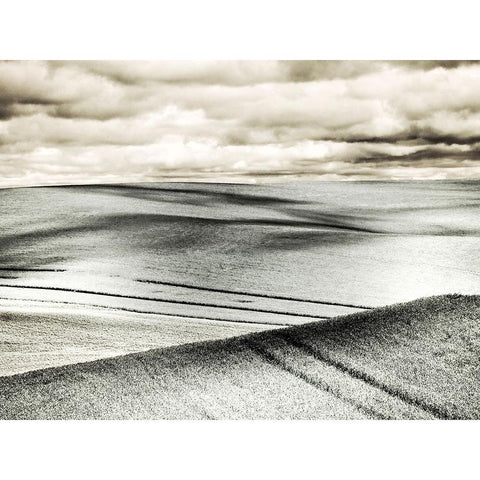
{"x": 416, "y": 360}
{"x": 91, "y": 271}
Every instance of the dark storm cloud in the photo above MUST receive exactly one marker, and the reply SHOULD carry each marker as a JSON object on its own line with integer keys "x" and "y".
{"x": 414, "y": 136}
{"x": 427, "y": 155}
{"x": 308, "y": 71}
{"x": 108, "y": 121}
{"x": 431, "y": 64}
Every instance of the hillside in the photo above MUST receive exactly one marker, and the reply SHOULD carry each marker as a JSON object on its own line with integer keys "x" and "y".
{"x": 88, "y": 272}
{"x": 417, "y": 360}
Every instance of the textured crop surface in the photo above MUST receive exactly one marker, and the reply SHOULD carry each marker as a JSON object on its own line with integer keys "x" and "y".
{"x": 88, "y": 272}
{"x": 417, "y": 360}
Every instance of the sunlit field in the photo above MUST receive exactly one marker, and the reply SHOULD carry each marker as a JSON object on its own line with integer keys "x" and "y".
{"x": 94, "y": 272}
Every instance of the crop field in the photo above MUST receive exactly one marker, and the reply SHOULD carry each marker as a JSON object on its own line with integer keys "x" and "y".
{"x": 240, "y": 301}
{"x": 417, "y": 360}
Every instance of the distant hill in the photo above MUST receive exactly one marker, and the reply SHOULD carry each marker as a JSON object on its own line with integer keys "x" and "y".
{"x": 417, "y": 360}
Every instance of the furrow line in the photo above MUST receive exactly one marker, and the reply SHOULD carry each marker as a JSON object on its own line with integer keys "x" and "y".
{"x": 19, "y": 269}
{"x": 368, "y": 379}
{"x": 172, "y": 301}
{"x": 248, "y": 294}
{"x": 319, "y": 384}
{"x": 123, "y": 309}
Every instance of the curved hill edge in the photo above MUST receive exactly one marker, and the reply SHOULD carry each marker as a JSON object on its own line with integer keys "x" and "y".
{"x": 411, "y": 360}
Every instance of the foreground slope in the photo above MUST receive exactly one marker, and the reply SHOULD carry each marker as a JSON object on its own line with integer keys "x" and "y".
{"x": 415, "y": 360}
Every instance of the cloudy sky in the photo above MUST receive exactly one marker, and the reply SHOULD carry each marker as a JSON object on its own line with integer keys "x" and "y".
{"x": 237, "y": 121}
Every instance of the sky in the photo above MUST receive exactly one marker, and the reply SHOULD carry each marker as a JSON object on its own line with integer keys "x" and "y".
{"x": 74, "y": 122}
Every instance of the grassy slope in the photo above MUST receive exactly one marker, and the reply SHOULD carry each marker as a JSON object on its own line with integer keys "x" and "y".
{"x": 413, "y": 360}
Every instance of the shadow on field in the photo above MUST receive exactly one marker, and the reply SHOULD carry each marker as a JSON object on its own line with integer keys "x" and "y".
{"x": 193, "y": 196}
{"x": 68, "y": 238}
{"x": 241, "y": 219}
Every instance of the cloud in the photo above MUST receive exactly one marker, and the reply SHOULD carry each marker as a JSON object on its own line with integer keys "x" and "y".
{"x": 249, "y": 120}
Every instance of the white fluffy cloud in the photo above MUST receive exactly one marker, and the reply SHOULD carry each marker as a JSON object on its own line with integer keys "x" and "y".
{"x": 75, "y": 122}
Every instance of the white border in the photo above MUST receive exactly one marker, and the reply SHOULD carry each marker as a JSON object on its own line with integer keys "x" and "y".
{"x": 239, "y": 450}
{"x": 238, "y": 30}
{"x": 251, "y": 29}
